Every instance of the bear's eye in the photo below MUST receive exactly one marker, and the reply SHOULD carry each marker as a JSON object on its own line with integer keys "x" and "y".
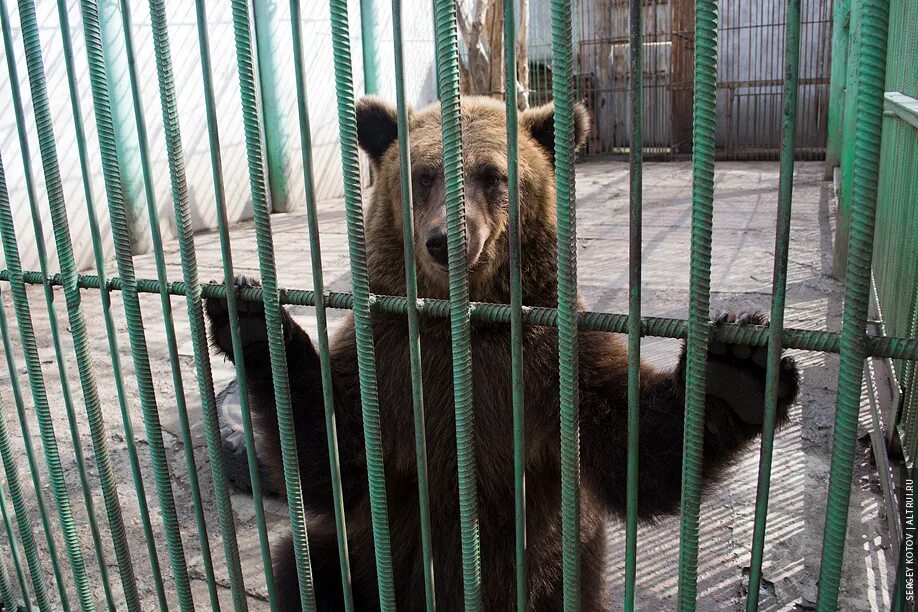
{"x": 426, "y": 180}
{"x": 492, "y": 180}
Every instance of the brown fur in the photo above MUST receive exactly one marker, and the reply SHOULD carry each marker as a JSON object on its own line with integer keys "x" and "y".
{"x": 602, "y": 372}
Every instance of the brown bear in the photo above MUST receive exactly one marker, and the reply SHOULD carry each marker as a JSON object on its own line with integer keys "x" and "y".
{"x": 733, "y": 413}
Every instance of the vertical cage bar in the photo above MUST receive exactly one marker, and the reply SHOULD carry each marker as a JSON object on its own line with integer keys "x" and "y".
{"x": 12, "y": 474}
{"x": 366, "y": 359}
{"x": 703, "y": 119}
{"x": 129, "y": 294}
{"x": 516, "y": 307}
{"x": 7, "y": 597}
{"x": 328, "y": 395}
{"x": 271, "y": 298}
{"x": 40, "y": 401}
{"x": 14, "y": 555}
{"x": 228, "y": 279}
{"x": 871, "y": 72}
{"x": 562, "y": 75}
{"x": 636, "y": 153}
{"x": 447, "y": 57}
{"x": 411, "y": 288}
{"x": 841, "y": 11}
{"x": 22, "y": 518}
{"x": 779, "y": 289}
{"x": 29, "y": 348}
{"x": 195, "y": 309}
{"x": 174, "y": 541}
{"x": 114, "y": 352}
{"x": 49, "y": 159}
{"x": 74, "y": 306}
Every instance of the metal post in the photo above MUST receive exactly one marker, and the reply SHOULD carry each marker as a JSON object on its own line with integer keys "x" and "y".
{"x": 369, "y": 46}
{"x": 267, "y": 37}
{"x": 840, "y": 18}
{"x": 119, "y": 95}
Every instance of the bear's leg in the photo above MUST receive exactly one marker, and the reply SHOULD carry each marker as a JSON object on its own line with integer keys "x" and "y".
{"x": 305, "y": 386}
{"x": 734, "y": 411}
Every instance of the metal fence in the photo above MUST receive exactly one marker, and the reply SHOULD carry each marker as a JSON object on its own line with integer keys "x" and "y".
{"x": 852, "y": 343}
{"x": 750, "y": 76}
{"x": 858, "y": 59}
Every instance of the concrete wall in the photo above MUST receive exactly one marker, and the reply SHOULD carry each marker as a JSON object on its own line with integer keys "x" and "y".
{"x": 418, "y": 34}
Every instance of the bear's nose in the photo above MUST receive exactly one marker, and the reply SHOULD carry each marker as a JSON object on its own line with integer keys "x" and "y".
{"x": 436, "y": 246}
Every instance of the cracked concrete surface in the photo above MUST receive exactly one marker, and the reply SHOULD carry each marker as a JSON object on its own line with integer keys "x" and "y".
{"x": 744, "y": 218}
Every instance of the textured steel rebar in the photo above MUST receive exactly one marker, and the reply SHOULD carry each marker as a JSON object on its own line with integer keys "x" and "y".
{"x": 569, "y": 384}
{"x": 131, "y": 302}
{"x": 411, "y": 287}
{"x": 871, "y": 72}
{"x": 779, "y": 289}
{"x": 517, "y": 381}
{"x": 447, "y": 59}
{"x": 271, "y": 299}
{"x": 366, "y": 357}
{"x": 703, "y": 127}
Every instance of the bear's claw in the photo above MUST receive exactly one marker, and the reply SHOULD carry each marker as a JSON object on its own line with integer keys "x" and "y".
{"x": 736, "y": 373}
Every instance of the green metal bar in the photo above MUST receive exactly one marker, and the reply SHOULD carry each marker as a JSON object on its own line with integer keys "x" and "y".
{"x": 703, "y": 120}
{"x": 24, "y": 524}
{"x": 849, "y": 126}
{"x": 841, "y": 13}
{"x": 369, "y": 46}
{"x": 133, "y": 314}
{"x": 7, "y": 597}
{"x": 411, "y": 285}
{"x": 779, "y": 291}
{"x": 569, "y": 384}
{"x": 264, "y": 14}
{"x": 75, "y": 315}
{"x": 636, "y": 153}
{"x": 173, "y": 540}
{"x": 125, "y": 129}
{"x": 517, "y": 381}
{"x": 271, "y": 300}
{"x": 871, "y": 72}
{"x": 661, "y": 327}
{"x": 366, "y": 358}
{"x": 59, "y": 216}
{"x": 26, "y": 331}
{"x": 210, "y": 105}
{"x": 14, "y": 555}
{"x": 114, "y": 352}
{"x": 195, "y": 309}
{"x": 10, "y": 465}
{"x": 227, "y": 259}
{"x": 40, "y": 399}
{"x": 315, "y": 250}
{"x": 447, "y": 58}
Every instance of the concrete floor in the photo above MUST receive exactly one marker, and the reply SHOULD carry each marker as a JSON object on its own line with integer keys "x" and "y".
{"x": 745, "y": 204}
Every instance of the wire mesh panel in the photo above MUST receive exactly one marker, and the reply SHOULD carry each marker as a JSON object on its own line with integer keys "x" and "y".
{"x": 659, "y": 78}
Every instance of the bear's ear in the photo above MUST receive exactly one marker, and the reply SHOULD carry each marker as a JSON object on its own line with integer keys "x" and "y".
{"x": 540, "y": 122}
{"x": 377, "y": 127}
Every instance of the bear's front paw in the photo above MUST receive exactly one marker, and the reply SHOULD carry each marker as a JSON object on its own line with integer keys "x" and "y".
{"x": 736, "y": 373}
{"x": 251, "y": 318}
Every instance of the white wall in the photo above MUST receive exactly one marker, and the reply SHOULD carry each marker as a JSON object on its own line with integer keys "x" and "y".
{"x": 418, "y": 34}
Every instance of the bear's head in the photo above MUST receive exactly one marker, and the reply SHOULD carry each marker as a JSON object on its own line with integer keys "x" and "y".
{"x": 484, "y": 152}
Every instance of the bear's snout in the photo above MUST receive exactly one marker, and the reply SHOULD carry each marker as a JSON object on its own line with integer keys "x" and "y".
{"x": 437, "y": 246}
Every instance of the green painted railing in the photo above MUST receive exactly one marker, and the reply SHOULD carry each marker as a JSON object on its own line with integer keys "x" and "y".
{"x": 880, "y": 180}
